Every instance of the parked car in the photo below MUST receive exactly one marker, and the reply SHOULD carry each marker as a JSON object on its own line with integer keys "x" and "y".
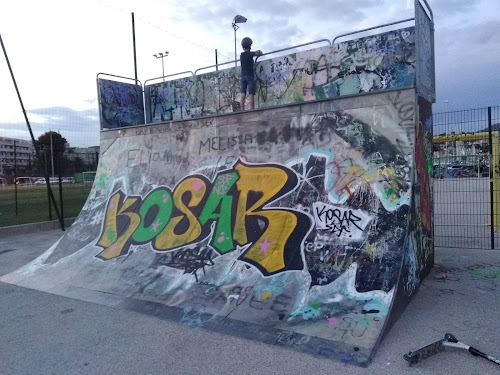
{"x": 25, "y": 181}
{"x": 40, "y": 181}
{"x": 55, "y": 180}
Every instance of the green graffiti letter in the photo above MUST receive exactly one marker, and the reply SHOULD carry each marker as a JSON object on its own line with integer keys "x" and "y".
{"x": 222, "y": 238}
{"x": 159, "y": 200}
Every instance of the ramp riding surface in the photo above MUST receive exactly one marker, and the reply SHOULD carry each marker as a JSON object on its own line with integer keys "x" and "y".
{"x": 287, "y": 225}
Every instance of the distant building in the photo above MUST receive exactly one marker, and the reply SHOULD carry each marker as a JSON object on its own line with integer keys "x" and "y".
{"x": 15, "y": 152}
{"x": 89, "y": 155}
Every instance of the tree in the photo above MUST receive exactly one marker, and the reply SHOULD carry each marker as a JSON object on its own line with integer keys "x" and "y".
{"x": 51, "y": 146}
{"x": 52, "y": 141}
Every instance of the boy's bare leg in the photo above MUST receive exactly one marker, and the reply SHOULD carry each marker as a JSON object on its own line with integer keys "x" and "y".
{"x": 242, "y": 102}
{"x": 252, "y": 101}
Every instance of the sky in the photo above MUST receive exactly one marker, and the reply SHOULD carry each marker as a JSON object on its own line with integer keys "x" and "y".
{"x": 56, "y": 48}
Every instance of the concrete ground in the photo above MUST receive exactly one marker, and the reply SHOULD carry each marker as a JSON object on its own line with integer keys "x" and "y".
{"x": 42, "y": 333}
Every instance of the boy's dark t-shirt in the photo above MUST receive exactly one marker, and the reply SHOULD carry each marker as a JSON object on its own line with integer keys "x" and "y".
{"x": 246, "y": 61}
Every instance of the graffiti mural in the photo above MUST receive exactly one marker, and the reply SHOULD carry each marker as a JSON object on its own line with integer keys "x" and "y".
{"x": 367, "y": 64}
{"x": 120, "y": 104}
{"x": 171, "y": 100}
{"x": 374, "y": 63}
{"x": 219, "y": 91}
{"x": 202, "y": 95}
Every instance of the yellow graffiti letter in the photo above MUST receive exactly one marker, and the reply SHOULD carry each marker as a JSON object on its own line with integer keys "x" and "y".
{"x": 265, "y": 183}
{"x": 168, "y": 239}
{"x": 113, "y": 244}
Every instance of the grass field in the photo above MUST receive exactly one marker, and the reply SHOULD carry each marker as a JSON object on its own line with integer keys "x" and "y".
{"x": 32, "y": 203}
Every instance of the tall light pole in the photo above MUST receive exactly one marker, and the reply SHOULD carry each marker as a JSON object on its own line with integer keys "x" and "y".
{"x": 237, "y": 19}
{"x": 161, "y": 55}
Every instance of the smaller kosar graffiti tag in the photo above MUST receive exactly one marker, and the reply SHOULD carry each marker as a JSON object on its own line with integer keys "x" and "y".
{"x": 231, "y": 211}
{"x": 343, "y": 222}
{"x": 189, "y": 259}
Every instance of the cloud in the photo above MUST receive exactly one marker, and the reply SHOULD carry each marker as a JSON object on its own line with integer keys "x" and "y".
{"x": 275, "y": 23}
{"x": 468, "y": 45}
{"x": 447, "y": 8}
{"x": 337, "y": 11}
{"x": 80, "y": 128}
{"x": 221, "y": 13}
{"x": 487, "y": 32}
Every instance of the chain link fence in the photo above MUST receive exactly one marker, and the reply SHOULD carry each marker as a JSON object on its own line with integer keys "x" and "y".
{"x": 466, "y": 178}
{"x": 27, "y": 170}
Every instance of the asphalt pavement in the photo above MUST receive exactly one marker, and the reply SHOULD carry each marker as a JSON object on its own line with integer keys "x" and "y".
{"x": 41, "y": 333}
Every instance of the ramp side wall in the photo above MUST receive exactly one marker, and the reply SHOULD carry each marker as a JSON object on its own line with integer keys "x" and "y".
{"x": 418, "y": 258}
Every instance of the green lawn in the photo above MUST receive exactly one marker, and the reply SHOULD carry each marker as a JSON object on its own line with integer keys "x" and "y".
{"x": 32, "y": 203}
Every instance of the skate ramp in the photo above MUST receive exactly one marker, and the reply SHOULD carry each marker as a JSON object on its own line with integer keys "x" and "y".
{"x": 287, "y": 225}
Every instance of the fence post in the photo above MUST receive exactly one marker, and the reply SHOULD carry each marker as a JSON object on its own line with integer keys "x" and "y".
{"x": 15, "y": 175}
{"x": 492, "y": 176}
{"x": 60, "y": 189}
{"x": 47, "y": 177}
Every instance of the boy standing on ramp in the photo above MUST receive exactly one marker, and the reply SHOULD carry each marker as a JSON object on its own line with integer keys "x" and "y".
{"x": 247, "y": 76}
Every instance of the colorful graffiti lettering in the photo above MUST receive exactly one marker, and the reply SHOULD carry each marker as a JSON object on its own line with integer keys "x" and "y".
{"x": 231, "y": 210}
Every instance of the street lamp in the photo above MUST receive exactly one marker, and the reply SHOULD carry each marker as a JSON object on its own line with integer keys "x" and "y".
{"x": 237, "y": 19}
{"x": 161, "y": 55}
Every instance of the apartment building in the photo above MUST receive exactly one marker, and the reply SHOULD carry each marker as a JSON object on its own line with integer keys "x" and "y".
{"x": 15, "y": 151}
{"x": 89, "y": 155}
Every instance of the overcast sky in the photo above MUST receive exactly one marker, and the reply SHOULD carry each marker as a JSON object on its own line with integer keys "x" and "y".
{"x": 57, "y": 47}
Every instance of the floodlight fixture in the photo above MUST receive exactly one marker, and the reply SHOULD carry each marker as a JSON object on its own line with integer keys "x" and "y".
{"x": 162, "y": 55}
{"x": 237, "y": 19}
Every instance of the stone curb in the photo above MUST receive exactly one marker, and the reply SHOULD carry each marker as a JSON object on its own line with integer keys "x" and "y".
{"x": 34, "y": 227}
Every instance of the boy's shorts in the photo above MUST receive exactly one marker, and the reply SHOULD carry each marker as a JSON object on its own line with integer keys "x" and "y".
{"x": 248, "y": 82}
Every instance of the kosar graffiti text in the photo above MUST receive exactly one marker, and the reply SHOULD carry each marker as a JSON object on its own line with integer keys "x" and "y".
{"x": 231, "y": 210}
{"x": 345, "y": 223}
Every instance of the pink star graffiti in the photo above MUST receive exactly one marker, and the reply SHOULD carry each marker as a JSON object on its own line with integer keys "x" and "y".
{"x": 155, "y": 225}
{"x": 264, "y": 245}
{"x": 332, "y": 321}
{"x": 114, "y": 247}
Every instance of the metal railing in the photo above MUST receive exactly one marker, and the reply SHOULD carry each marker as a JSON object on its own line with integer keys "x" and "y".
{"x": 215, "y": 66}
{"x": 114, "y": 75}
{"x": 265, "y": 54}
{"x": 297, "y": 46}
{"x": 371, "y": 28}
{"x": 170, "y": 75}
